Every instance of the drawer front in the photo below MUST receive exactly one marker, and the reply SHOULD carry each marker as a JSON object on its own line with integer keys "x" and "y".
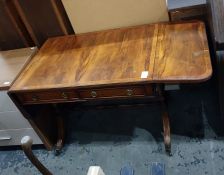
{"x": 115, "y": 92}
{"x": 82, "y": 94}
{"x": 47, "y": 97}
{"x": 13, "y": 137}
{"x": 13, "y": 120}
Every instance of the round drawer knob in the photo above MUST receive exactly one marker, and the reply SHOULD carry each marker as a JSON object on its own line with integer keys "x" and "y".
{"x": 93, "y": 94}
{"x": 34, "y": 98}
{"x": 64, "y": 95}
{"x": 129, "y": 92}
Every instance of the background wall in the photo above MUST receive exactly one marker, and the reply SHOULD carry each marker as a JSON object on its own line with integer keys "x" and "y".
{"x": 94, "y": 15}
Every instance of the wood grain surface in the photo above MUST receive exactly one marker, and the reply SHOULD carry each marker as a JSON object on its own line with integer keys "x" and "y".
{"x": 182, "y": 54}
{"x": 11, "y": 63}
{"x": 168, "y": 53}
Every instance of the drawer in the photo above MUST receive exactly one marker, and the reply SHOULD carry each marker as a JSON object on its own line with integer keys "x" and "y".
{"x": 13, "y": 120}
{"x": 13, "y": 137}
{"x": 6, "y": 103}
{"x": 115, "y": 92}
{"x": 47, "y": 97}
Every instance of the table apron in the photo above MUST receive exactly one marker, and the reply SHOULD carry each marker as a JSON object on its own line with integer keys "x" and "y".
{"x": 63, "y": 96}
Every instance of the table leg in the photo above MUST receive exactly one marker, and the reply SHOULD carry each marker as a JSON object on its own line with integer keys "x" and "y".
{"x": 26, "y": 144}
{"x": 61, "y": 134}
{"x": 165, "y": 119}
{"x": 60, "y": 130}
{"x": 166, "y": 129}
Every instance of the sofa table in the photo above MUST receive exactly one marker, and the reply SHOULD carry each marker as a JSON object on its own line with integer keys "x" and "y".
{"x": 132, "y": 62}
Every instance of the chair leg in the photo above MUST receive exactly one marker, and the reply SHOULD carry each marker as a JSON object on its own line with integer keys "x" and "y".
{"x": 26, "y": 144}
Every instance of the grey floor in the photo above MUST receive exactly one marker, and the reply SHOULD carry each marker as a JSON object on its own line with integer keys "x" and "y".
{"x": 114, "y": 137}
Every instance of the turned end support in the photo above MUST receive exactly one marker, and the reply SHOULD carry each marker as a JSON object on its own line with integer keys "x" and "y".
{"x": 26, "y": 143}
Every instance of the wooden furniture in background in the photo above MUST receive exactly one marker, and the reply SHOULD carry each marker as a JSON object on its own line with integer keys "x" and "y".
{"x": 12, "y": 124}
{"x": 13, "y": 33}
{"x": 11, "y": 63}
{"x": 122, "y": 63}
{"x": 216, "y": 16}
{"x": 43, "y": 19}
{"x": 180, "y": 10}
{"x": 220, "y": 73}
{"x": 26, "y": 23}
{"x": 216, "y": 24}
{"x": 89, "y": 16}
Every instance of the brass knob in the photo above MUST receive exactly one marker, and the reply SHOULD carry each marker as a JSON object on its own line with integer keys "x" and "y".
{"x": 34, "y": 98}
{"x": 129, "y": 92}
{"x": 93, "y": 94}
{"x": 64, "y": 95}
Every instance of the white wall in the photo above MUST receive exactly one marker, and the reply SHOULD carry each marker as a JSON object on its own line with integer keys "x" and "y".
{"x": 94, "y": 15}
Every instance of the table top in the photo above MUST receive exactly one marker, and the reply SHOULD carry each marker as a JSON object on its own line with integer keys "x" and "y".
{"x": 217, "y": 10}
{"x": 156, "y": 53}
{"x": 11, "y": 63}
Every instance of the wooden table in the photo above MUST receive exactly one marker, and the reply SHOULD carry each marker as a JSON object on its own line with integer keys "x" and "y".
{"x": 121, "y": 63}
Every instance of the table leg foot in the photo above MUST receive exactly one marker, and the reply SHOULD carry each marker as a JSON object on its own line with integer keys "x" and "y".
{"x": 166, "y": 130}
{"x": 58, "y": 147}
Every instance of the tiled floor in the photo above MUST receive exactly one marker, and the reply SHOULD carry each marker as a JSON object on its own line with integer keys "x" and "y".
{"x": 114, "y": 137}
